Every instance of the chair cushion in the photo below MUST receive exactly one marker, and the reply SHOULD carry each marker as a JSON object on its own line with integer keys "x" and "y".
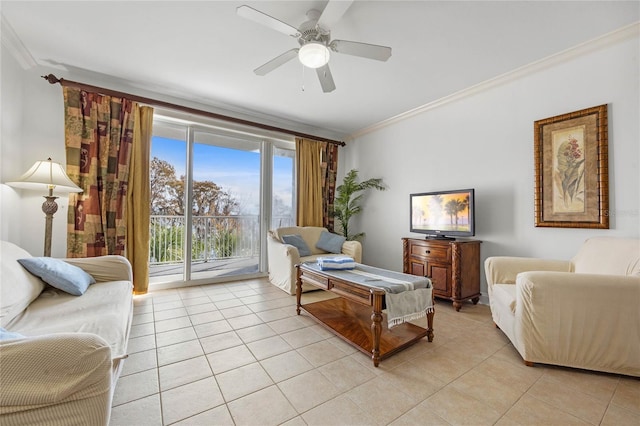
{"x": 297, "y": 241}
{"x": 330, "y": 242}
{"x": 310, "y": 235}
{"x": 59, "y": 274}
{"x": 608, "y": 256}
{"x": 505, "y": 295}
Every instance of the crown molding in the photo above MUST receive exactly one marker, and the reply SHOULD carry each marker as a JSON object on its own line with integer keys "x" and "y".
{"x": 14, "y": 45}
{"x": 623, "y": 33}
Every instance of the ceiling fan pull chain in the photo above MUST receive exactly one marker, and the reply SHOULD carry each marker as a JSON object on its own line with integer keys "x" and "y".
{"x": 303, "y": 67}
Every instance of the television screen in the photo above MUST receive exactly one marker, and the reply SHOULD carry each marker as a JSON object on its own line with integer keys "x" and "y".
{"x": 443, "y": 213}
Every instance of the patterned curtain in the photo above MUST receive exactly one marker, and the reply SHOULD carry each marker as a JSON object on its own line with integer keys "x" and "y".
{"x": 98, "y": 140}
{"x": 329, "y": 166}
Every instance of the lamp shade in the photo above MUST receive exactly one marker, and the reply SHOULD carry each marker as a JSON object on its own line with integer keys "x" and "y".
{"x": 46, "y": 174}
{"x": 314, "y": 55}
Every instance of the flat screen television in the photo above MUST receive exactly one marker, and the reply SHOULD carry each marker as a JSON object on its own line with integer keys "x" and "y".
{"x": 443, "y": 214}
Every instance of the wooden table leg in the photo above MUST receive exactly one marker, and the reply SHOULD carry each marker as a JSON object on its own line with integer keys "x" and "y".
{"x": 376, "y": 328}
{"x": 430, "y": 325}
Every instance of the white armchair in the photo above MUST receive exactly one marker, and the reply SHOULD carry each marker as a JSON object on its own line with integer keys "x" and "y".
{"x": 582, "y": 313}
{"x": 283, "y": 258}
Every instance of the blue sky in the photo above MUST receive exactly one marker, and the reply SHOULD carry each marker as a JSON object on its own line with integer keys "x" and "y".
{"x": 236, "y": 171}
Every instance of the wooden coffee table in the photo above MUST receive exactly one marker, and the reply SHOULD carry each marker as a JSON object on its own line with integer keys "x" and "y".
{"x": 356, "y": 316}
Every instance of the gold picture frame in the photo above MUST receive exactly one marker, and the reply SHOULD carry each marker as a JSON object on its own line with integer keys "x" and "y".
{"x": 572, "y": 170}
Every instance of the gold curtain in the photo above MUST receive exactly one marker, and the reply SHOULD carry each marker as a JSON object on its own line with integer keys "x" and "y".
{"x": 309, "y": 182}
{"x": 98, "y": 140}
{"x": 138, "y": 200}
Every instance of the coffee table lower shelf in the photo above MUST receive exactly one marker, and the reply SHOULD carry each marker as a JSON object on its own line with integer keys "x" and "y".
{"x": 351, "y": 321}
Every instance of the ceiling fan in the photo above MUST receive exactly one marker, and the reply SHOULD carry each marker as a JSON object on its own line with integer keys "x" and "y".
{"x": 314, "y": 37}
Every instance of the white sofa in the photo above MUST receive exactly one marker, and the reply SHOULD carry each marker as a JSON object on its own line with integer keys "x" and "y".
{"x": 63, "y": 371}
{"x": 283, "y": 258}
{"x": 582, "y": 313}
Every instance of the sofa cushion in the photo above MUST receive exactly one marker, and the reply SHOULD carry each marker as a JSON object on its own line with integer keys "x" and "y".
{"x": 330, "y": 242}
{"x": 19, "y": 288}
{"x": 59, "y": 274}
{"x": 105, "y": 309}
{"x": 297, "y": 241}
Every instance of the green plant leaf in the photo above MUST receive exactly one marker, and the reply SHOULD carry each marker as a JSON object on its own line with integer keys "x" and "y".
{"x": 347, "y": 200}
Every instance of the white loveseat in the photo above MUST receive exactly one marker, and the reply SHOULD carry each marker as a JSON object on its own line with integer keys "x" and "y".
{"x": 283, "y": 258}
{"x": 582, "y": 313}
{"x": 63, "y": 371}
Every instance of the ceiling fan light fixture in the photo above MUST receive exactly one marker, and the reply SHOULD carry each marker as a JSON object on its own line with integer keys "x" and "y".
{"x": 314, "y": 55}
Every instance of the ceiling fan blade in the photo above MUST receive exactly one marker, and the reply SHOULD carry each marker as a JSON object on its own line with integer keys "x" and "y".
{"x": 266, "y": 20}
{"x": 276, "y": 62}
{"x": 333, "y": 12}
{"x": 326, "y": 79}
{"x": 364, "y": 50}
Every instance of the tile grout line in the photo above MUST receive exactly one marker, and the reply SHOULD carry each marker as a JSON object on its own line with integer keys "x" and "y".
{"x": 265, "y": 306}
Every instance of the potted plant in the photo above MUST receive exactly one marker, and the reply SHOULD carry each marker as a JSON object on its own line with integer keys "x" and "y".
{"x": 347, "y": 203}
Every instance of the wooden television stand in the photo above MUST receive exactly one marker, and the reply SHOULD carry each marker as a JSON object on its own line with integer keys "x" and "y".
{"x": 452, "y": 265}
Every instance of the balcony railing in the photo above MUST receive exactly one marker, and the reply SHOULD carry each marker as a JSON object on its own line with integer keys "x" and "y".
{"x": 213, "y": 237}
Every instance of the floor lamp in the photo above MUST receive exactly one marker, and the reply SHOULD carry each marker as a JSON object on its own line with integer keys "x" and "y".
{"x": 51, "y": 175}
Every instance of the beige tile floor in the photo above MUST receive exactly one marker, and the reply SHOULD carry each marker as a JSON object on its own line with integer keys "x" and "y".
{"x": 236, "y": 353}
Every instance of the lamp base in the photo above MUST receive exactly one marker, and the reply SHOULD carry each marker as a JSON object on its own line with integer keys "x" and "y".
{"x": 49, "y": 207}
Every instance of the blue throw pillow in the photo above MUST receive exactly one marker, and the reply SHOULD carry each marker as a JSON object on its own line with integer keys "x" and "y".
{"x": 59, "y": 274}
{"x": 297, "y": 241}
{"x": 330, "y": 242}
{"x": 6, "y": 334}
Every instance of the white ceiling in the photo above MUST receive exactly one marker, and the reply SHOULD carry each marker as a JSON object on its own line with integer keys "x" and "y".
{"x": 202, "y": 51}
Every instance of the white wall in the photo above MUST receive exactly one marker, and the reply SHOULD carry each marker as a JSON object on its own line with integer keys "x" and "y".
{"x": 485, "y": 141}
{"x": 10, "y": 145}
{"x": 32, "y": 129}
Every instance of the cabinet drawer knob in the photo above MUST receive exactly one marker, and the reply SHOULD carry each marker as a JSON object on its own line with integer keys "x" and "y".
{"x": 428, "y": 251}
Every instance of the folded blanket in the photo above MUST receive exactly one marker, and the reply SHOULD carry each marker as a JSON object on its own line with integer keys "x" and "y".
{"x": 408, "y": 306}
{"x": 336, "y": 263}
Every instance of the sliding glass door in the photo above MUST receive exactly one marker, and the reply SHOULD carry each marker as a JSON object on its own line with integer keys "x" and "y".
{"x": 226, "y": 206}
{"x": 168, "y": 217}
{"x": 236, "y": 187}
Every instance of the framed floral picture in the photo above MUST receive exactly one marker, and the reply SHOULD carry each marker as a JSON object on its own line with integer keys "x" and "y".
{"x": 571, "y": 170}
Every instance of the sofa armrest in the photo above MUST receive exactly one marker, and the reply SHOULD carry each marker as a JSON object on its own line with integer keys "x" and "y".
{"x": 67, "y": 375}
{"x": 504, "y": 269}
{"x": 584, "y": 319}
{"x": 353, "y": 249}
{"x": 105, "y": 268}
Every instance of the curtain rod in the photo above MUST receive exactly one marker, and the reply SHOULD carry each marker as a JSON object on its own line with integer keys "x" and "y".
{"x": 52, "y": 79}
